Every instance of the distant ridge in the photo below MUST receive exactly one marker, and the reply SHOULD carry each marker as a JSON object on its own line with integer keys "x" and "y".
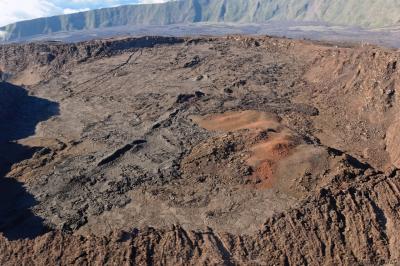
{"x": 365, "y": 13}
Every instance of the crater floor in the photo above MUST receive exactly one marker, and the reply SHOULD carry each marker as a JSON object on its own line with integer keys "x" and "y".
{"x": 209, "y": 150}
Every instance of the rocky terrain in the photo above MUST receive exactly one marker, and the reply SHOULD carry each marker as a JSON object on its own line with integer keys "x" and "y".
{"x": 212, "y": 150}
{"x": 386, "y": 36}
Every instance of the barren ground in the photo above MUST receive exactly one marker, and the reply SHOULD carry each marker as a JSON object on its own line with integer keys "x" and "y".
{"x": 228, "y": 150}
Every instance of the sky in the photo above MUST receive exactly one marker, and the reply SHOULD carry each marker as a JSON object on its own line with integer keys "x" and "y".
{"x": 17, "y": 10}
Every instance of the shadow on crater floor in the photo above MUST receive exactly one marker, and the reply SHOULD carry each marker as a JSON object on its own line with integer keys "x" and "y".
{"x": 19, "y": 115}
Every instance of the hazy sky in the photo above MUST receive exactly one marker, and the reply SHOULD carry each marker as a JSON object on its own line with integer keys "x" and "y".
{"x": 16, "y": 10}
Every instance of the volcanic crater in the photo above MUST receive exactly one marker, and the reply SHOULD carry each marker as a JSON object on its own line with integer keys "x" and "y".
{"x": 229, "y": 150}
